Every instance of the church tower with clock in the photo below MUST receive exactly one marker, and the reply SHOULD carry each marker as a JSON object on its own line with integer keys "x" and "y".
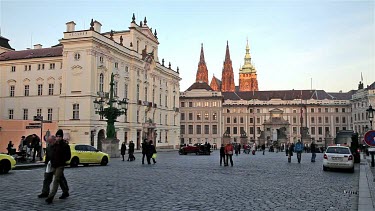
{"x": 248, "y": 75}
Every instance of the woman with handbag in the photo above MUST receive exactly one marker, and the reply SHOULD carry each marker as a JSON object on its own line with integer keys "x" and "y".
{"x": 228, "y": 154}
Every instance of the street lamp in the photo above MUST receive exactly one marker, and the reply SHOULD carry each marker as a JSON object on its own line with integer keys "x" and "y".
{"x": 370, "y": 115}
{"x": 110, "y": 107}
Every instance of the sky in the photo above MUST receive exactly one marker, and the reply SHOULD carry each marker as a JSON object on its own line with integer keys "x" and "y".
{"x": 294, "y": 44}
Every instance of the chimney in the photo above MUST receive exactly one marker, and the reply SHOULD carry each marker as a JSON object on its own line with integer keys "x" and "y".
{"x": 38, "y": 46}
{"x": 70, "y": 26}
{"x": 97, "y": 26}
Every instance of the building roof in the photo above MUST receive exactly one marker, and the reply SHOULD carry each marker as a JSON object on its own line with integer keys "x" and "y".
{"x": 372, "y": 86}
{"x": 32, "y": 53}
{"x": 4, "y": 43}
{"x": 287, "y": 95}
{"x": 200, "y": 85}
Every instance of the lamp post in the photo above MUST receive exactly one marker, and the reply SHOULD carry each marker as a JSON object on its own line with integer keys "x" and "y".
{"x": 370, "y": 115}
{"x": 110, "y": 107}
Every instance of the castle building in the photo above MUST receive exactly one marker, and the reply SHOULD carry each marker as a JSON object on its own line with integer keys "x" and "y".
{"x": 61, "y": 82}
{"x": 246, "y": 115}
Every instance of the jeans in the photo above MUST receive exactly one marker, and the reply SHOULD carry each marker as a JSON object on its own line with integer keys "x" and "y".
{"x": 299, "y": 156}
{"x": 222, "y": 159}
{"x": 58, "y": 173}
{"x": 230, "y": 158}
{"x": 313, "y": 156}
{"x": 143, "y": 157}
{"x": 48, "y": 177}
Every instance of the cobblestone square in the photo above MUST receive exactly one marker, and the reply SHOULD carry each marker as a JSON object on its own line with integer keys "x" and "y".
{"x": 191, "y": 182}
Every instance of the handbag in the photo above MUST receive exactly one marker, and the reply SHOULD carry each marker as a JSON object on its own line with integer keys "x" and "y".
{"x": 49, "y": 168}
{"x": 230, "y": 152}
{"x": 154, "y": 155}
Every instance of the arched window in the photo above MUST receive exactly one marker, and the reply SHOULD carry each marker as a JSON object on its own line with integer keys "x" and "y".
{"x": 101, "y": 82}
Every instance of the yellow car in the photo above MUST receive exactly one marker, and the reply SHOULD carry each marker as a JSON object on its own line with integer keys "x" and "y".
{"x": 86, "y": 154}
{"x": 6, "y": 163}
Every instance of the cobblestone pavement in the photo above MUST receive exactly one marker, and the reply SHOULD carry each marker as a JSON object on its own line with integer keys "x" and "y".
{"x": 190, "y": 182}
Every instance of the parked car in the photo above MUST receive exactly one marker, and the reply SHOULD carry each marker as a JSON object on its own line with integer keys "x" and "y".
{"x": 338, "y": 157}
{"x": 86, "y": 154}
{"x": 188, "y": 149}
{"x": 7, "y": 163}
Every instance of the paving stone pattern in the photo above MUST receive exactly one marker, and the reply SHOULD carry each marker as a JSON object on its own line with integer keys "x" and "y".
{"x": 190, "y": 182}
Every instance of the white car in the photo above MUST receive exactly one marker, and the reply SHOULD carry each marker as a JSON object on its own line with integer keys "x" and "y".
{"x": 338, "y": 157}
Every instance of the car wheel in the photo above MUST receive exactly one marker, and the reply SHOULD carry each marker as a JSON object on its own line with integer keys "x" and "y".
{"x": 74, "y": 162}
{"x": 104, "y": 161}
{"x": 180, "y": 153}
{"x": 4, "y": 166}
{"x": 325, "y": 168}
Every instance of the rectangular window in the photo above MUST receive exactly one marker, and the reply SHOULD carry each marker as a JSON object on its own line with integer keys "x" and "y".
{"x": 182, "y": 128}
{"x": 294, "y": 130}
{"x": 326, "y": 129}
{"x": 50, "y": 89}
{"x": 258, "y": 110}
{"x": 320, "y": 120}
{"x": 241, "y": 119}
{"x": 251, "y": 120}
{"x": 115, "y": 89}
{"x": 337, "y": 119}
{"x": 319, "y": 110}
{"x": 52, "y": 66}
{"x": 312, "y": 130}
{"x": 25, "y": 67}
{"x": 75, "y": 111}
{"x": 258, "y": 120}
{"x": 326, "y": 119}
{"x": 190, "y": 104}
{"x": 242, "y": 130}
{"x": 251, "y": 130}
{"x": 39, "y": 112}
{"x": 235, "y": 130}
{"x": 116, "y": 65}
{"x": 320, "y": 130}
{"x": 336, "y": 110}
{"x": 190, "y": 129}
{"x": 160, "y": 100}
{"x": 42, "y": 66}
{"x": 326, "y": 110}
{"x": 39, "y": 66}
{"x": 343, "y": 110}
{"x": 206, "y": 129}
{"x": 258, "y": 130}
{"x": 166, "y": 101}
{"x": 12, "y": 88}
{"x": 27, "y": 90}
{"x": 138, "y": 117}
{"x": 228, "y": 130}
{"x": 126, "y": 91}
{"x": 40, "y": 89}
{"x": 337, "y": 129}
{"x": 214, "y": 129}
{"x": 294, "y": 120}
{"x": 214, "y": 116}
{"x": 11, "y": 113}
{"x": 182, "y": 104}
{"x": 312, "y": 120}
{"x": 343, "y": 120}
{"x": 206, "y": 116}
{"x": 182, "y": 116}
{"x": 13, "y": 69}
{"x": 49, "y": 114}
{"x": 60, "y": 87}
{"x": 234, "y": 120}
{"x": 205, "y": 104}
{"x": 25, "y": 114}
{"x": 198, "y": 116}
{"x": 199, "y": 129}
{"x": 228, "y": 119}
{"x": 190, "y": 116}
{"x": 312, "y": 110}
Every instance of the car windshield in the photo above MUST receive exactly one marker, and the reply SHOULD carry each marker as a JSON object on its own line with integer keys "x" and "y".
{"x": 338, "y": 150}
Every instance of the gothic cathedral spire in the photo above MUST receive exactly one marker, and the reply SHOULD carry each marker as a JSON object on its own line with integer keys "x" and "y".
{"x": 227, "y": 84}
{"x": 248, "y": 75}
{"x": 202, "y": 73}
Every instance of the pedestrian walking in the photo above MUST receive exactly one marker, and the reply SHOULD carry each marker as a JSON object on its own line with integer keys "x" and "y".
{"x": 290, "y": 152}
{"x": 222, "y": 155}
{"x": 263, "y": 148}
{"x": 10, "y": 147}
{"x": 131, "y": 151}
{"x": 253, "y": 149}
{"x": 228, "y": 154}
{"x": 48, "y": 174}
{"x": 60, "y": 154}
{"x": 236, "y": 149}
{"x": 298, "y": 148}
{"x": 313, "y": 151}
{"x": 123, "y": 150}
{"x": 151, "y": 152}
{"x": 144, "y": 150}
{"x": 35, "y": 144}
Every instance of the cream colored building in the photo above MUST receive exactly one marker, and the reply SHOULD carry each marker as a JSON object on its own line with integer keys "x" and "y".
{"x": 60, "y": 83}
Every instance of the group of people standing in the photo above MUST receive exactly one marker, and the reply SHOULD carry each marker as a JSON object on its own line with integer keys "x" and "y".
{"x": 30, "y": 147}
{"x": 148, "y": 151}
{"x": 57, "y": 154}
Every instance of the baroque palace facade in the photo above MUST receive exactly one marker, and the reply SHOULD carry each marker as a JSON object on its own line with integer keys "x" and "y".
{"x": 61, "y": 82}
{"x": 222, "y": 112}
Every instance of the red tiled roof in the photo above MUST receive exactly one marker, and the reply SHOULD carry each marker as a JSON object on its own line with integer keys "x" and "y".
{"x": 32, "y": 53}
{"x": 286, "y": 95}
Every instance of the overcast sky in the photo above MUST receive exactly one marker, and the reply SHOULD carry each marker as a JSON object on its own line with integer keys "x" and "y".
{"x": 291, "y": 42}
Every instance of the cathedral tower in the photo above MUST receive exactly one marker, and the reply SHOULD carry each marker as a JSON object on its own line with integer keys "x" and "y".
{"x": 227, "y": 77}
{"x": 202, "y": 73}
{"x": 248, "y": 75}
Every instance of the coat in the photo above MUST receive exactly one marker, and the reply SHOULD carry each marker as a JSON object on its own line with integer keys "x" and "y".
{"x": 151, "y": 149}
{"x": 228, "y": 149}
{"x": 131, "y": 148}
{"x": 60, "y": 153}
{"x": 123, "y": 149}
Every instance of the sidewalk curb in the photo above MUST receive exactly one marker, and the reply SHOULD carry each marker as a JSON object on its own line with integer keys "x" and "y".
{"x": 29, "y": 166}
{"x": 365, "y": 200}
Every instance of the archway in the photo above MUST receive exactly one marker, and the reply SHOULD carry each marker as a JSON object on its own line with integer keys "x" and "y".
{"x": 101, "y": 137}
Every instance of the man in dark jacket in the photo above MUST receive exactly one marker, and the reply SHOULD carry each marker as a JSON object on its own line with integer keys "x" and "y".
{"x": 131, "y": 151}
{"x": 144, "y": 149}
{"x": 313, "y": 151}
{"x": 222, "y": 155}
{"x": 123, "y": 150}
{"x": 48, "y": 176}
{"x": 36, "y": 146}
{"x": 60, "y": 154}
{"x": 150, "y": 151}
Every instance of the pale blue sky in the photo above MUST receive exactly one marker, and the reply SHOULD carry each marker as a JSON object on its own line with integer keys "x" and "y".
{"x": 290, "y": 41}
